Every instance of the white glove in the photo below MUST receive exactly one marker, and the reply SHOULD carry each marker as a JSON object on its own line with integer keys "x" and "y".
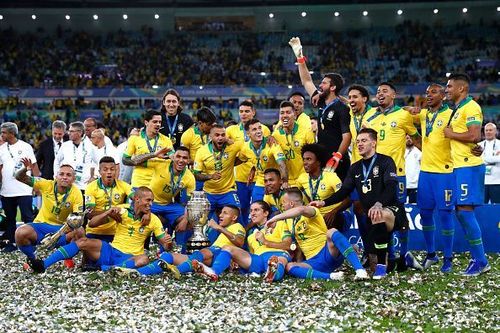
{"x": 296, "y": 46}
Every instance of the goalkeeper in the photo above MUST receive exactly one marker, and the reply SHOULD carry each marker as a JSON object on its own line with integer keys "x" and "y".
{"x": 333, "y": 113}
{"x": 60, "y": 198}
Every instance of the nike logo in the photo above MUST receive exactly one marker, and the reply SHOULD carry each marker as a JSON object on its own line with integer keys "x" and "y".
{"x": 463, "y": 199}
{"x": 357, "y": 176}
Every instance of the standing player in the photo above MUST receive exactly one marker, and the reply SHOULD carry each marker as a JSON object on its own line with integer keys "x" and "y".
{"x": 333, "y": 114}
{"x": 436, "y": 183}
{"x": 237, "y": 133}
{"x": 261, "y": 155}
{"x": 464, "y": 131}
{"x": 146, "y": 149}
{"x": 173, "y": 122}
{"x": 291, "y": 138}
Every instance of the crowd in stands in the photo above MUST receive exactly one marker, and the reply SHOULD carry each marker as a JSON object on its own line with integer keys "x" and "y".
{"x": 73, "y": 59}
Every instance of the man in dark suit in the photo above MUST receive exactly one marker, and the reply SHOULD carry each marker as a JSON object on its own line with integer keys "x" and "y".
{"x": 49, "y": 148}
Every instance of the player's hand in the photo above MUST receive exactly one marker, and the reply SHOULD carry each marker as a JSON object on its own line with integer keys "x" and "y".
{"x": 162, "y": 153}
{"x": 229, "y": 141}
{"x": 315, "y": 100}
{"x": 214, "y": 225}
{"x": 27, "y": 163}
{"x": 285, "y": 185}
{"x": 251, "y": 175}
{"x": 448, "y": 132}
{"x": 414, "y": 110}
{"x": 216, "y": 175}
{"x": 168, "y": 241}
{"x": 182, "y": 225}
{"x": 477, "y": 150}
{"x": 115, "y": 214}
{"x": 333, "y": 162}
{"x": 145, "y": 219}
{"x": 271, "y": 140}
{"x": 271, "y": 223}
{"x": 296, "y": 46}
{"x": 259, "y": 236}
{"x": 135, "y": 131}
{"x": 375, "y": 213}
{"x": 344, "y": 100}
{"x": 317, "y": 203}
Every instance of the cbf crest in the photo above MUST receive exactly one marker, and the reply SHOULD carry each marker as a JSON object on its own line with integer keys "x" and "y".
{"x": 439, "y": 123}
{"x": 394, "y": 124}
{"x": 117, "y": 196}
{"x": 322, "y": 187}
{"x": 375, "y": 171}
{"x": 296, "y": 143}
{"x": 330, "y": 115}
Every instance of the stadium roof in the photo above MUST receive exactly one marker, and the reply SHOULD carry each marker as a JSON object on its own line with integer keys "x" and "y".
{"x": 176, "y": 3}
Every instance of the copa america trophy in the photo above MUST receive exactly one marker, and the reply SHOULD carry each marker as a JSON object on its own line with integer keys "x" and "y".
{"x": 74, "y": 221}
{"x": 198, "y": 208}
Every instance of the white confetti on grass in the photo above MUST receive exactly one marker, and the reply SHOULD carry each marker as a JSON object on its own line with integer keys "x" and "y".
{"x": 69, "y": 300}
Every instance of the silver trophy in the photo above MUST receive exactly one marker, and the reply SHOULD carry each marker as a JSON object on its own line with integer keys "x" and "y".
{"x": 198, "y": 208}
{"x": 74, "y": 221}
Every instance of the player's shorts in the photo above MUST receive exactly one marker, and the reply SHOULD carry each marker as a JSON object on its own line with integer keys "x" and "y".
{"x": 259, "y": 262}
{"x": 324, "y": 261}
{"x": 400, "y": 220}
{"x": 244, "y": 193}
{"x": 469, "y": 185}
{"x": 435, "y": 190}
{"x": 43, "y": 229}
{"x": 354, "y": 195}
{"x": 221, "y": 200}
{"x": 401, "y": 189}
{"x": 199, "y": 185}
{"x": 170, "y": 212}
{"x": 258, "y": 193}
{"x": 111, "y": 256}
{"x": 105, "y": 238}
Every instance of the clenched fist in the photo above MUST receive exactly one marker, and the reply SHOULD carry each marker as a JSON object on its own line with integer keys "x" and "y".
{"x": 296, "y": 46}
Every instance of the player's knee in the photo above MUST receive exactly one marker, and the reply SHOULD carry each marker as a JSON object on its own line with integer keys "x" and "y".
{"x": 141, "y": 261}
{"x": 84, "y": 243}
{"x": 289, "y": 266}
{"x": 330, "y": 232}
{"x": 25, "y": 235}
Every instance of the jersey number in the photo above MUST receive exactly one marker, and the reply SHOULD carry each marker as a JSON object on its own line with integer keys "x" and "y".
{"x": 465, "y": 190}
{"x": 289, "y": 154}
{"x": 381, "y": 135}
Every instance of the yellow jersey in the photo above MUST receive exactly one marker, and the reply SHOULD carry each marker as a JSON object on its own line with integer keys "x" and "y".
{"x": 358, "y": 121}
{"x": 56, "y": 206}
{"x": 468, "y": 113}
{"x": 237, "y": 133}
{"x": 130, "y": 234}
{"x": 236, "y": 229}
{"x": 165, "y": 189}
{"x": 321, "y": 188}
{"x": 193, "y": 139}
{"x": 291, "y": 144}
{"x": 263, "y": 158}
{"x": 208, "y": 161}
{"x": 101, "y": 198}
{"x": 303, "y": 120}
{"x": 139, "y": 145}
{"x": 309, "y": 233}
{"x": 275, "y": 201}
{"x": 436, "y": 150}
{"x": 276, "y": 235}
{"x": 392, "y": 128}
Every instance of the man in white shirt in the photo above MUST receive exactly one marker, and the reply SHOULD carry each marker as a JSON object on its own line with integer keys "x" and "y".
{"x": 125, "y": 170}
{"x": 413, "y": 156}
{"x": 101, "y": 149}
{"x": 14, "y": 193}
{"x": 491, "y": 157}
{"x": 90, "y": 125}
{"x": 77, "y": 153}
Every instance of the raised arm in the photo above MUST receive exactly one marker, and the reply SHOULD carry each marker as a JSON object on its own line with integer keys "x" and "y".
{"x": 21, "y": 174}
{"x": 305, "y": 77}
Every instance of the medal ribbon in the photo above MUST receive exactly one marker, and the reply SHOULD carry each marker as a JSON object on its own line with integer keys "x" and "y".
{"x": 173, "y": 185}
{"x": 458, "y": 106}
{"x": 366, "y": 172}
{"x": 429, "y": 124}
{"x": 314, "y": 190}
{"x": 151, "y": 149}
{"x": 171, "y": 127}
{"x": 257, "y": 152}
{"x": 110, "y": 195}
{"x": 245, "y": 135}
{"x": 60, "y": 204}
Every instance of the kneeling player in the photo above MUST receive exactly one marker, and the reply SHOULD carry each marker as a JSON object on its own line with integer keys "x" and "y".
{"x": 127, "y": 248}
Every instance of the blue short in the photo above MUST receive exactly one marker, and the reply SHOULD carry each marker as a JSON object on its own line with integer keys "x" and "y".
{"x": 258, "y": 193}
{"x": 259, "y": 262}
{"x": 43, "y": 229}
{"x": 354, "y": 195}
{"x": 111, "y": 256}
{"x": 244, "y": 192}
{"x": 435, "y": 190}
{"x": 199, "y": 185}
{"x": 105, "y": 238}
{"x": 469, "y": 185}
{"x": 218, "y": 201}
{"x": 324, "y": 261}
{"x": 170, "y": 212}
{"x": 401, "y": 189}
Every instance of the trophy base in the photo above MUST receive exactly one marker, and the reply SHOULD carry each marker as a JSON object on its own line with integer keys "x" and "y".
{"x": 196, "y": 245}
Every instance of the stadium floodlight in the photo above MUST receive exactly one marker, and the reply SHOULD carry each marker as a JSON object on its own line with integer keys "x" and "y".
{"x": 498, "y": 9}
{"x": 337, "y": 14}
{"x": 311, "y": 72}
{"x": 155, "y": 86}
{"x": 125, "y": 16}
{"x": 1, "y": 17}
{"x": 157, "y": 16}
{"x": 365, "y": 13}
{"x": 67, "y": 17}
{"x": 464, "y": 10}
{"x": 400, "y": 11}
{"x": 201, "y": 87}
{"x": 290, "y": 86}
{"x": 436, "y": 10}
{"x": 33, "y": 17}
{"x": 271, "y": 15}
{"x": 303, "y": 14}
{"x": 448, "y": 74}
{"x": 262, "y": 73}
{"x": 96, "y": 17}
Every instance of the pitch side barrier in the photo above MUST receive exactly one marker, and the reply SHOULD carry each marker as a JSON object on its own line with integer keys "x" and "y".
{"x": 487, "y": 215}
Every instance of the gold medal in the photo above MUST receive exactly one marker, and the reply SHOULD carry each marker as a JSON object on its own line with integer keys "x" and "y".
{"x": 364, "y": 189}
{"x": 293, "y": 247}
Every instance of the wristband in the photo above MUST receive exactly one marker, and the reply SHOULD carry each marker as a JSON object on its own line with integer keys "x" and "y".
{"x": 302, "y": 60}
{"x": 337, "y": 155}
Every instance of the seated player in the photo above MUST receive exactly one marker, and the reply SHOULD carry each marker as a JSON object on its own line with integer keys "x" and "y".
{"x": 324, "y": 250}
{"x": 60, "y": 197}
{"x": 102, "y": 194}
{"x": 231, "y": 233}
{"x": 273, "y": 186}
{"x": 127, "y": 248}
{"x": 172, "y": 184}
{"x": 268, "y": 249}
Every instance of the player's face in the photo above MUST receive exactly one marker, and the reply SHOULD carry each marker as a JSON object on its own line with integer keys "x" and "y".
{"x": 366, "y": 145}
{"x": 453, "y": 90}
{"x": 314, "y": 125}
{"x": 287, "y": 116}
{"x": 74, "y": 133}
{"x": 57, "y": 134}
{"x": 153, "y": 126}
{"x": 385, "y": 95}
{"x": 107, "y": 172}
{"x": 326, "y": 87}
{"x": 272, "y": 183}
{"x": 490, "y": 132}
{"x": 298, "y": 104}
{"x": 204, "y": 127}
{"x": 218, "y": 137}
{"x": 311, "y": 163}
{"x": 171, "y": 104}
{"x": 181, "y": 159}
{"x": 257, "y": 214}
{"x": 356, "y": 101}
{"x": 66, "y": 176}
{"x": 287, "y": 202}
{"x": 96, "y": 139}
{"x": 90, "y": 126}
{"x": 6, "y": 135}
{"x": 434, "y": 96}
{"x": 226, "y": 216}
{"x": 246, "y": 113}
{"x": 143, "y": 202}
{"x": 255, "y": 132}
